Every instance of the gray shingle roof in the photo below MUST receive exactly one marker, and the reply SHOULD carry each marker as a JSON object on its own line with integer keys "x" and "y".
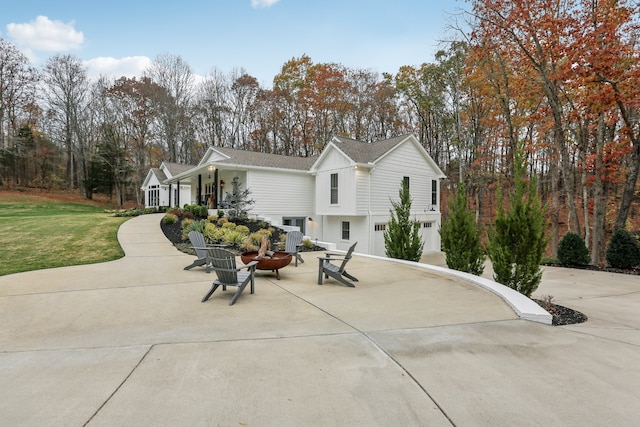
{"x": 252, "y": 158}
{"x": 177, "y": 168}
{"x": 367, "y": 152}
{"x": 159, "y": 174}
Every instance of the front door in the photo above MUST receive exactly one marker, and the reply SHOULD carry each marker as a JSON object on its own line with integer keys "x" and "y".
{"x": 298, "y": 221}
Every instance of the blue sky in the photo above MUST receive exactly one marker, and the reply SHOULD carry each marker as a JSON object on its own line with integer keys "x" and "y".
{"x": 121, "y": 37}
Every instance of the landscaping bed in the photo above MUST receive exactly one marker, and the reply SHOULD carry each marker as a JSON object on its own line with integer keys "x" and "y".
{"x": 173, "y": 232}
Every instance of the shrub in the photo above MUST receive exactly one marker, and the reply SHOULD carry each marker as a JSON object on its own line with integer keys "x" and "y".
{"x": 190, "y": 226}
{"x": 123, "y": 213}
{"x": 248, "y": 246}
{"x": 232, "y": 237}
{"x": 572, "y": 250}
{"x": 169, "y": 219}
{"x": 256, "y": 238}
{"x": 188, "y": 215}
{"x": 229, "y": 225}
{"x": 243, "y": 229}
{"x": 517, "y": 241}
{"x": 210, "y": 233}
{"x": 149, "y": 210}
{"x": 307, "y": 244}
{"x": 213, "y": 234}
{"x": 461, "y": 240}
{"x": 201, "y": 211}
{"x": 402, "y": 238}
{"x": 222, "y": 221}
{"x": 220, "y": 213}
{"x": 623, "y": 251}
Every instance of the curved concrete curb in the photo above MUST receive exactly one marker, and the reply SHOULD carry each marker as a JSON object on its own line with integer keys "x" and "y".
{"x": 524, "y": 307}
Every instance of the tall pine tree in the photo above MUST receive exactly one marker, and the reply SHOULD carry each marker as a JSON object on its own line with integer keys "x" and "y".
{"x": 461, "y": 239}
{"x": 402, "y": 238}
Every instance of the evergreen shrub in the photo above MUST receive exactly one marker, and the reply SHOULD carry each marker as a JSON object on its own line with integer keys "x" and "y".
{"x": 461, "y": 240}
{"x": 517, "y": 241}
{"x": 572, "y": 250}
{"x": 402, "y": 238}
{"x": 623, "y": 250}
{"x": 169, "y": 219}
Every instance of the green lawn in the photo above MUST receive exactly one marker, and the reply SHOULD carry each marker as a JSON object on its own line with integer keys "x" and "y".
{"x": 38, "y": 232}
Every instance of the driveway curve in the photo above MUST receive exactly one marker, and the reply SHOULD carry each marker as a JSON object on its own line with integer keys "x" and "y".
{"x": 128, "y": 342}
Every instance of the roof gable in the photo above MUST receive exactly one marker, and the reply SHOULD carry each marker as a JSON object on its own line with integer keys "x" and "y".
{"x": 169, "y": 169}
{"x": 370, "y": 153}
{"x": 212, "y": 154}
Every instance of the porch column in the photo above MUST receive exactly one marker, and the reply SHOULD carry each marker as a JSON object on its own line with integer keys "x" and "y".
{"x": 215, "y": 189}
{"x": 199, "y": 198}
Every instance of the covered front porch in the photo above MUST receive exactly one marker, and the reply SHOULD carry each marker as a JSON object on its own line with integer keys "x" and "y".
{"x": 211, "y": 185}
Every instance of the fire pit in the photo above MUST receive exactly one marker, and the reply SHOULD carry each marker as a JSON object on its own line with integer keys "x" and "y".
{"x": 275, "y": 262}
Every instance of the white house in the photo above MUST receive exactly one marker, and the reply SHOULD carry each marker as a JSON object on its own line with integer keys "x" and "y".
{"x": 159, "y": 192}
{"x": 342, "y": 196}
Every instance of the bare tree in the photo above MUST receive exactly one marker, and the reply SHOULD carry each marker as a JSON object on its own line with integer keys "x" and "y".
{"x": 66, "y": 91}
{"x": 173, "y": 74}
{"x": 17, "y": 87}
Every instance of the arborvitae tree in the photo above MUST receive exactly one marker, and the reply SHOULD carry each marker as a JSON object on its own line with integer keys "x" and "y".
{"x": 517, "y": 241}
{"x": 623, "y": 251}
{"x": 572, "y": 250}
{"x": 461, "y": 239}
{"x": 402, "y": 238}
{"x": 238, "y": 200}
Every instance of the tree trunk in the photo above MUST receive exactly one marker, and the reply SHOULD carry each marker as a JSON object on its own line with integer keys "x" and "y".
{"x": 598, "y": 198}
{"x": 555, "y": 207}
{"x": 629, "y": 188}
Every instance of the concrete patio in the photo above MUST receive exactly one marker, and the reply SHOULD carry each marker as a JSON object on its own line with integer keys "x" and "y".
{"x": 129, "y": 343}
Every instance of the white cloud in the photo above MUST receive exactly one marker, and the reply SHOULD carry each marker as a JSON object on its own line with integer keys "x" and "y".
{"x": 130, "y": 66}
{"x": 45, "y": 35}
{"x": 256, "y": 4}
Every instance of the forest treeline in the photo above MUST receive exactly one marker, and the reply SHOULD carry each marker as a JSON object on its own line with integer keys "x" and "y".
{"x": 557, "y": 81}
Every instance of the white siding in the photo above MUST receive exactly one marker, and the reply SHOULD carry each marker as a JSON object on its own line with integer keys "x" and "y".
{"x": 277, "y": 194}
{"x": 347, "y": 204}
{"x": 358, "y": 232}
{"x": 362, "y": 196}
{"x": 386, "y": 180}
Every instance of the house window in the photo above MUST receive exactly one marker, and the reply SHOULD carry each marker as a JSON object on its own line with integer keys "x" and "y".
{"x": 154, "y": 196}
{"x": 334, "y": 188}
{"x": 345, "y": 230}
{"x": 434, "y": 193}
{"x": 405, "y": 181}
{"x": 426, "y": 224}
{"x": 380, "y": 227}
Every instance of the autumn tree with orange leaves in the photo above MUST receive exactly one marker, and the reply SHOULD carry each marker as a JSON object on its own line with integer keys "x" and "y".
{"x": 568, "y": 71}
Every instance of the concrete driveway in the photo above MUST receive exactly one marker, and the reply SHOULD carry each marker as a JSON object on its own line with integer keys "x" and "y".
{"x": 128, "y": 343}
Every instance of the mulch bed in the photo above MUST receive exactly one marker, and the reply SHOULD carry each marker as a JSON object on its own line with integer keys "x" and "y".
{"x": 562, "y": 315}
{"x": 173, "y": 232}
{"x": 566, "y": 316}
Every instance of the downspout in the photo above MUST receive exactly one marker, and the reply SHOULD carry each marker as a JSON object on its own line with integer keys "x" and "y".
{"x": 199, "y": 199}
{"x": 370, "y": 225}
